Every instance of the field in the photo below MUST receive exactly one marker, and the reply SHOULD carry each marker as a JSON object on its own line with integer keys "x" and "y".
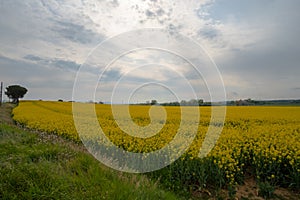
{"x": 258, "y": 142}
{"x": 45, "y": 166}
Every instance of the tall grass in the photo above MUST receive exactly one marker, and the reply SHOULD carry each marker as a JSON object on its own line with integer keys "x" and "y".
{"x": 35, "y": 168}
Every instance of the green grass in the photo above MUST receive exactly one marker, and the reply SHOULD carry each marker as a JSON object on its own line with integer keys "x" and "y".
{"x": 5, "y": 113}
{"x": 34, "y": 167}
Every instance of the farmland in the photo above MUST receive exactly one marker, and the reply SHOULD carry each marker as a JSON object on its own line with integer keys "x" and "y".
{"x": 260, "y": 142}
{"x": 45, "y": 166}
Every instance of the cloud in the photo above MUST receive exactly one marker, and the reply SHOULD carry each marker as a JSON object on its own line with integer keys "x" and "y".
{"x": 209, "y": 32}
{"x": 33, "y": 58}
{"x": 77, "y": 33}
{"x": 58, "y": 63}
{"x": 255, "y": 44}
{"x": 111, "y": 75}
{"x": 42, "y": 82}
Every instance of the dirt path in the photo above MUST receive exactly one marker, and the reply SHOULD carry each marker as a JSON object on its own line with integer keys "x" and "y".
{"x": 5, "y": 113}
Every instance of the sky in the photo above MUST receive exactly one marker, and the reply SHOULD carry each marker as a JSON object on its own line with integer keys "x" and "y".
{"x": 134, "y": 51}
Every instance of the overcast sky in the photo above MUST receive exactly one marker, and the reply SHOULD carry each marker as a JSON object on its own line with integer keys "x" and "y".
{"x": 252, "y": 46}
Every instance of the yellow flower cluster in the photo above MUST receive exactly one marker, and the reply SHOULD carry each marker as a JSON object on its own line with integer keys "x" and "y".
{"x": 50, "y": 117}
{"x": 263, "y": 138}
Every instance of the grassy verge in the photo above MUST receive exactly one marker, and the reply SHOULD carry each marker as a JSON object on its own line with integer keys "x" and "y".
{"x": 35, "y": 167}
{"x": 5, "y": 113}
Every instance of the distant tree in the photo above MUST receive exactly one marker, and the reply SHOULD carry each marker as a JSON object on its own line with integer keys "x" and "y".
{"x": 193, "y": 102}
{"x": 175, "y": 103}
{"x": 200, "y": 102}
{"x": 60, "y": 100}
{"x": 15, "y": 92}
{"x": 183, "y": 103}
{"x": 153, "y": 102}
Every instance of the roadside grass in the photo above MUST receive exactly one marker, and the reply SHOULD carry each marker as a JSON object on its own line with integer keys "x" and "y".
{"x": 5, "y": 113}
{"x": 35, "y": 168}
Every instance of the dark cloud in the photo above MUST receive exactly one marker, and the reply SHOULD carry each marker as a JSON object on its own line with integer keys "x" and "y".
{"x": 77, "y": 33}
{"x": 111, "y": 75}
{"x": 262, "y": 63}
{"x": 160, "y": 12}
{"x": 55, "y": 62}
{"x": 66, "y": 64}
{"x": 209, "y": 32}
{"x": 172, "y": 29}
{"x": 41, "y": 82}
{"x": 268, "y": 66}
{"x": 33, "y": 58}
{"x": 149, "y": 13}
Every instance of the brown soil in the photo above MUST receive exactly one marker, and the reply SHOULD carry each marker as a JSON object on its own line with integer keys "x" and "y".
{"x": 249, "y": 190}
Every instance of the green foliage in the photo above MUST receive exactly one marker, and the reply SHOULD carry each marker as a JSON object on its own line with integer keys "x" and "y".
{"x": 32, "y": 167}
{"x": 186, "y": 176}
{"x": 15, "y": 92}
{"x": 153, "y": 102}
{"x": 266, "y": 190}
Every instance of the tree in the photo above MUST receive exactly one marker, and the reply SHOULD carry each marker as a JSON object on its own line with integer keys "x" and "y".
{"x": 193, "y": 102}
{"x": 153, "y": 102}
{"x": 200, "y": 102}
{"x": 15, "y": 92}
{"x": 183, "y": 103}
